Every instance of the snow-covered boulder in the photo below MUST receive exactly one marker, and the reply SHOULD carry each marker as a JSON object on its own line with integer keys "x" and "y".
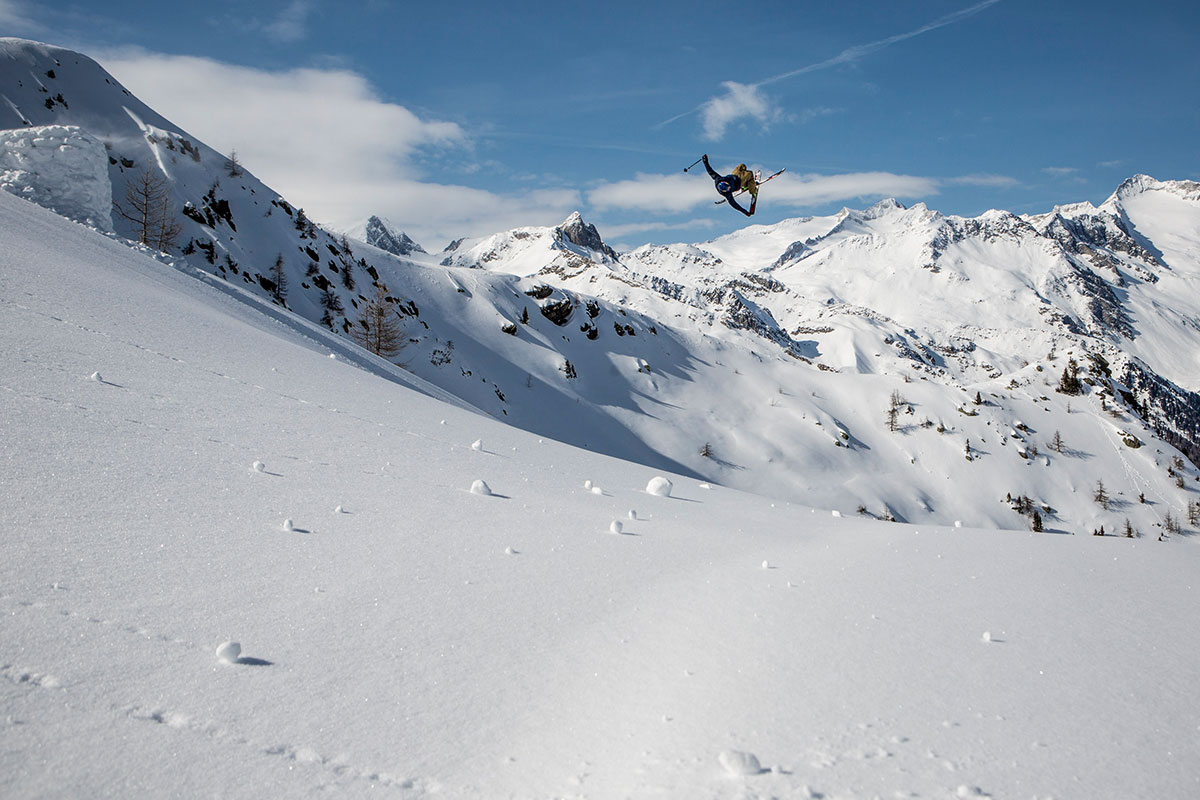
{"x": 61, "y": 168}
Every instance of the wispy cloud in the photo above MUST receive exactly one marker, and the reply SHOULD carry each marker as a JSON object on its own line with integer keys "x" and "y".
{"x": 984, "y": 179}
{"x": 719, "y": 111}
{"x": 851, "y": 54}
{"x": 15, "y": 19}
{"x": 1068, "y": 174}
{"x": 292, "y": 23}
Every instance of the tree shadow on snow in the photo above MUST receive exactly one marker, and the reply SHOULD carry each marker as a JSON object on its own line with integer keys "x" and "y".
{"x": 726, "y": 464}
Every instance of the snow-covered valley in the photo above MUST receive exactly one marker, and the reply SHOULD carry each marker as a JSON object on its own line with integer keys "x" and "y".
{"x": 462, "y": 576}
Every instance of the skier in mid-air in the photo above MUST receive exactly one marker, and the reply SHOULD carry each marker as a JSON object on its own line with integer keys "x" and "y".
{"x": 740, "y": 180}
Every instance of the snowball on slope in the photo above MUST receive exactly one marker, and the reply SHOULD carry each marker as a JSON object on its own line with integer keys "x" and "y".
{"x": 229, "y": 652}
{"x": 737, "y": 763}
{"x": 659, "y": 487}
{"x": 59, "y": 167}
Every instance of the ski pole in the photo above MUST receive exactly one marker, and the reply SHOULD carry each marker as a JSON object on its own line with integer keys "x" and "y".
{"x": 694, "y": 163}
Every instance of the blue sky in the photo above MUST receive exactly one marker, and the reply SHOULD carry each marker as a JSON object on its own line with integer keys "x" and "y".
{"x": 463, "y": 118}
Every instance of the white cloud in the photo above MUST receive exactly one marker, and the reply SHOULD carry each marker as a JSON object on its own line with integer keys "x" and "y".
{"x": 740, "y": 101}
{"x": 810, "y": 190}
{"x": 324, "y": 122}
{"x": 671, "y": 194}
{"x": 680, "y": 193}
{"x": 326, "y": 141}
{"x": 615, "y": 232}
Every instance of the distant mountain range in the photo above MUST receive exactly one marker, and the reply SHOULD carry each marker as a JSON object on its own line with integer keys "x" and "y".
{"x": 894, "y": 362}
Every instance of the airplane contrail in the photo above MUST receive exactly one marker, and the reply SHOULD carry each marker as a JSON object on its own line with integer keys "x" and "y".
{"x": 856, "y": 52}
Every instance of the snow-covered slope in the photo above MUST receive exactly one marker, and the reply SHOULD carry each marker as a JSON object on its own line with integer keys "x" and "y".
{"x": 769, "y": 360}
{"x": 181, "y": 471}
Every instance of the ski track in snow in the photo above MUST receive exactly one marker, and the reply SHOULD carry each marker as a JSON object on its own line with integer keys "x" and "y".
{"x": 1131, "y": 472}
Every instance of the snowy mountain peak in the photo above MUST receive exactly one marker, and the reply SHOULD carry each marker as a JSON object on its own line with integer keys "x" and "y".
{"x": 1141, "y": 184}
{"x": 526, "y": 251}
{"x": 33, "y": 52}
{"x": 579, "y": 233}
{"x": 382, "y": 233}
{"x": 1137, "y": 184}
{"x": 883, "y": 208}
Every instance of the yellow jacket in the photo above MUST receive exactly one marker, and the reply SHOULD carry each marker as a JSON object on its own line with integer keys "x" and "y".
{"x": 747, "y": 179}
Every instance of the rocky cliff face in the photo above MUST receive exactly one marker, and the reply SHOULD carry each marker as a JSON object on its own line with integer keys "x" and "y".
{"x": 378, "y": 233}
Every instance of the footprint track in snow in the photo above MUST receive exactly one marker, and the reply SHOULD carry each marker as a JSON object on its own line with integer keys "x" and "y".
{"x": 338, "y": 768}
{"x": 91, "y": 619}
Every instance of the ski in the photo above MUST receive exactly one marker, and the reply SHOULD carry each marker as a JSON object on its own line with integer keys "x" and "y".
{"x": 760, "y": 183}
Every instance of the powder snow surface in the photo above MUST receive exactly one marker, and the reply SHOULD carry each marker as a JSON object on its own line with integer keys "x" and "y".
{"x": 403, "y": 637}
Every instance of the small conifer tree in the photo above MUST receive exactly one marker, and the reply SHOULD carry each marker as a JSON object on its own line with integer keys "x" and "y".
{"x": 233, "y": 166}
{"x": 895, "y": 403}
{"x": 279, "y": 278}
{"x": 378, "y": 328}
{"x": 1070, "y": 384}
{"x": 148, "y": 206}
